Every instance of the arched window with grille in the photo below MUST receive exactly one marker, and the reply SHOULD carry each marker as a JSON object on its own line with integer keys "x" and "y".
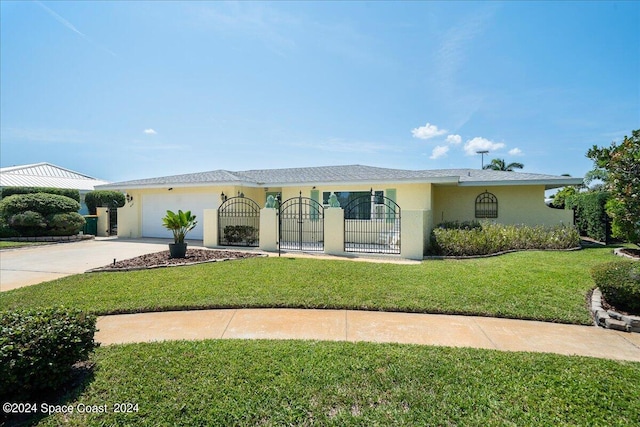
{"x": 486, "y": 205}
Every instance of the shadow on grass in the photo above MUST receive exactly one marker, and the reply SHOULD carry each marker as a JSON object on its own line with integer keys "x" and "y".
{"x": 81, "y": 375}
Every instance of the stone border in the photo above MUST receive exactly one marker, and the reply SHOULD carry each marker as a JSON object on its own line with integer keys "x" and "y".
{"x": 618, "y": 251}
{"x": 52, "y": 239}
{"x": 610, "y": 319}
{"x": 109, "y": 269}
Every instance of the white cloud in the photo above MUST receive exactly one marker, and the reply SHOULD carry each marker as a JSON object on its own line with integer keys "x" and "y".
{"x": 150, "y": 131}
{"x": 515, "y": 152}
{"x": 439, "y": 151}
{"x": 454, "y": 139}
{"x": 427, "y": 131}
{"x": 479, "y": 143}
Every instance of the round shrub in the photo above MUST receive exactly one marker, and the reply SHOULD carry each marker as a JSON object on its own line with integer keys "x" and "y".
{"x": 38, "y": 348}
{"x": 10, "y": 191}
{"x": 619, "y": 282}
{"x": 6, "y": 230}
{"x": 65, "y": 224}
{"x": 28, "y": 223}
{"x": 42, "y": 203}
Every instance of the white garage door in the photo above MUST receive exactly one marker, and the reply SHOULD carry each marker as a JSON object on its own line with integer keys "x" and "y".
{"x": 154, "y": 208}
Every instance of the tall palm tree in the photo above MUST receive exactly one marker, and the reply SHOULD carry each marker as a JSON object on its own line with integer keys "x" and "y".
{"x": 500, "y": 165}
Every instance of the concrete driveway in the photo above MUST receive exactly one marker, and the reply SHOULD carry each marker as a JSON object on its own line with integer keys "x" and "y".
{"x": 30, "y": 265}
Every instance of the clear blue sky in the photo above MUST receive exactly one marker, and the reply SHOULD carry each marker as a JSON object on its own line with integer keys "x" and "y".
{"x": 126, "y": 90}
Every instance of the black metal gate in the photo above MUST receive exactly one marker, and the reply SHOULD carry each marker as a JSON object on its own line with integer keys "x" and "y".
{"x": 301, "y": 224}
{"x": 372, "y": 225}
{"x": 239, "y": 222}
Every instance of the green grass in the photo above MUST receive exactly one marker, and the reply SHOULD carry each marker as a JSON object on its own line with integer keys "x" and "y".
{"x": 6, "y": 244}
{"x": 271, "y": 383}
{"x": 550, "y": 286}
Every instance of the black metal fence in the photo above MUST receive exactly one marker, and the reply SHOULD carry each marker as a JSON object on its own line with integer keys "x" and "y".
{"x": 372, "y": 225}
{"x": 301, "y": 224}
{"x": 239, "y": 222}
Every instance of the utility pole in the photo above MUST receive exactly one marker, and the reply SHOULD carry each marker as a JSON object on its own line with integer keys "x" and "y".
{"x": 482, "y": 153}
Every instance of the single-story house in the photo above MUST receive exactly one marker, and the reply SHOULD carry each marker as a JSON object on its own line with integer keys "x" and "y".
{"x": 396, "y": 201}
{"x": 48, "y": 175}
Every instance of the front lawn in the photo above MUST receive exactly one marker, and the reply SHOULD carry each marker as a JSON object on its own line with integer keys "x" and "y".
{"x": 549, "y": 286}
{"x": 273, "y": 383}
{"x": 7, "y": 244}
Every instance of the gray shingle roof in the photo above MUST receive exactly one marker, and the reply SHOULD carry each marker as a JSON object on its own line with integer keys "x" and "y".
{"x": 345, "y": 174}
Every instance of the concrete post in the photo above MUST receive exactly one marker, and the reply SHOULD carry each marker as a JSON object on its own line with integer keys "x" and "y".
{"x": 269, "y": 229}
{"x": 334, "y": 231}
{"x": 412, "y": 234}
{"x": 210, "y": 228}
{"x": 103, "y": 221}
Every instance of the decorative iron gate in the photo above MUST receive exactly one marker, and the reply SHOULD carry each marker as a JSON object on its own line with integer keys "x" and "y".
{"x": 301, "y": 224}
{"x": 238, "y": 222}
{"x": 372, "y": 225}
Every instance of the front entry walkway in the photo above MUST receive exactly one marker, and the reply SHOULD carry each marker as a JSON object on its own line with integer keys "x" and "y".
{"x": 348, "y": 325}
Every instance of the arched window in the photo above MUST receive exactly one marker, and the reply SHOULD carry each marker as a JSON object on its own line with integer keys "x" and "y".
{"x": 486, "y": 206}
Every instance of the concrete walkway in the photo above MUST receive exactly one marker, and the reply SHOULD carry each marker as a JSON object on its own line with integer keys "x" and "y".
{"x": 348, "y": 325}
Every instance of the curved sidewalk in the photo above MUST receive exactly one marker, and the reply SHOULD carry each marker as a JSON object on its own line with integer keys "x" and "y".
{"x": 350, "y": 325}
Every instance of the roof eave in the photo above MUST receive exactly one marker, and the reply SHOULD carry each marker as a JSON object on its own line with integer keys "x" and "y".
{"x": 125, "y": 186}
{"x": 549, "y": 184}
{"x": 433, "y": 180}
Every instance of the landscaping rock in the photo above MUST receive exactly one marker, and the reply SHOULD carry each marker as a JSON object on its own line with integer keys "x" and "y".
{"x": 163, "y": 259}
{"x": 618, "y": 325}
{"x": 611, "y": 319}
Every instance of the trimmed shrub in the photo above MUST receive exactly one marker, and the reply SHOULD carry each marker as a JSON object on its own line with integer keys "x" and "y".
{"x": 28, "y": 223}
{"x": 6, "y": 230}
{"x": 38, "y": 348}
{"x": 65, "y": 224}
{"x": 42, "y": 203}
{"x": 494, "y": 238}
{"x": 591, "y": 216}
{"x": 240, "y": 234}
{"x": 95, "y": 199}
{"x": 619, "y": 282}
{"x": 10, "y": 191}
{"x": 457, "y": 225}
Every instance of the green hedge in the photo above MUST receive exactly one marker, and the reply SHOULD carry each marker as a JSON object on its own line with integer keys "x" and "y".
{"x": 619, "y": 282}
{"x": 591, "y": 217}
{"x": 495, "y": 238}
{"x": 98, "y": 198}
{"x": 10, "y": 191}
{"x": 240, "y": 234}
{"x": 38, "y": 348}
{"x": 45, "y": 204}
{"x": 6, "y": 230}
{"x": 28, "y": 223}
{"x": 65, "y": 224}
{"x": 40, "y": 214}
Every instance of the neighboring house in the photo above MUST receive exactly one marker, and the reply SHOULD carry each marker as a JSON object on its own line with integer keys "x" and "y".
{"x": 48, "y": 175}
{"x": 429, "y": 197}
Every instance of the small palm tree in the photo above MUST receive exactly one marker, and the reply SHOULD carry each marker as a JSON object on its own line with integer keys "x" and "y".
{"x": 500, "y": 165}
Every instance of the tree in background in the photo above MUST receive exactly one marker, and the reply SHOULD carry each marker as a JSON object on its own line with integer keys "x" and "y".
{"x": 98, "y": 198}
{"x": 500, "y": 165}
{"x": 622, "y": 178}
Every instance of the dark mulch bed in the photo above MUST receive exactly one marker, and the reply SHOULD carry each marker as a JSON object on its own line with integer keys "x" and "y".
{"x": 635, "y": 253}
{"x": 163, "y": 259}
